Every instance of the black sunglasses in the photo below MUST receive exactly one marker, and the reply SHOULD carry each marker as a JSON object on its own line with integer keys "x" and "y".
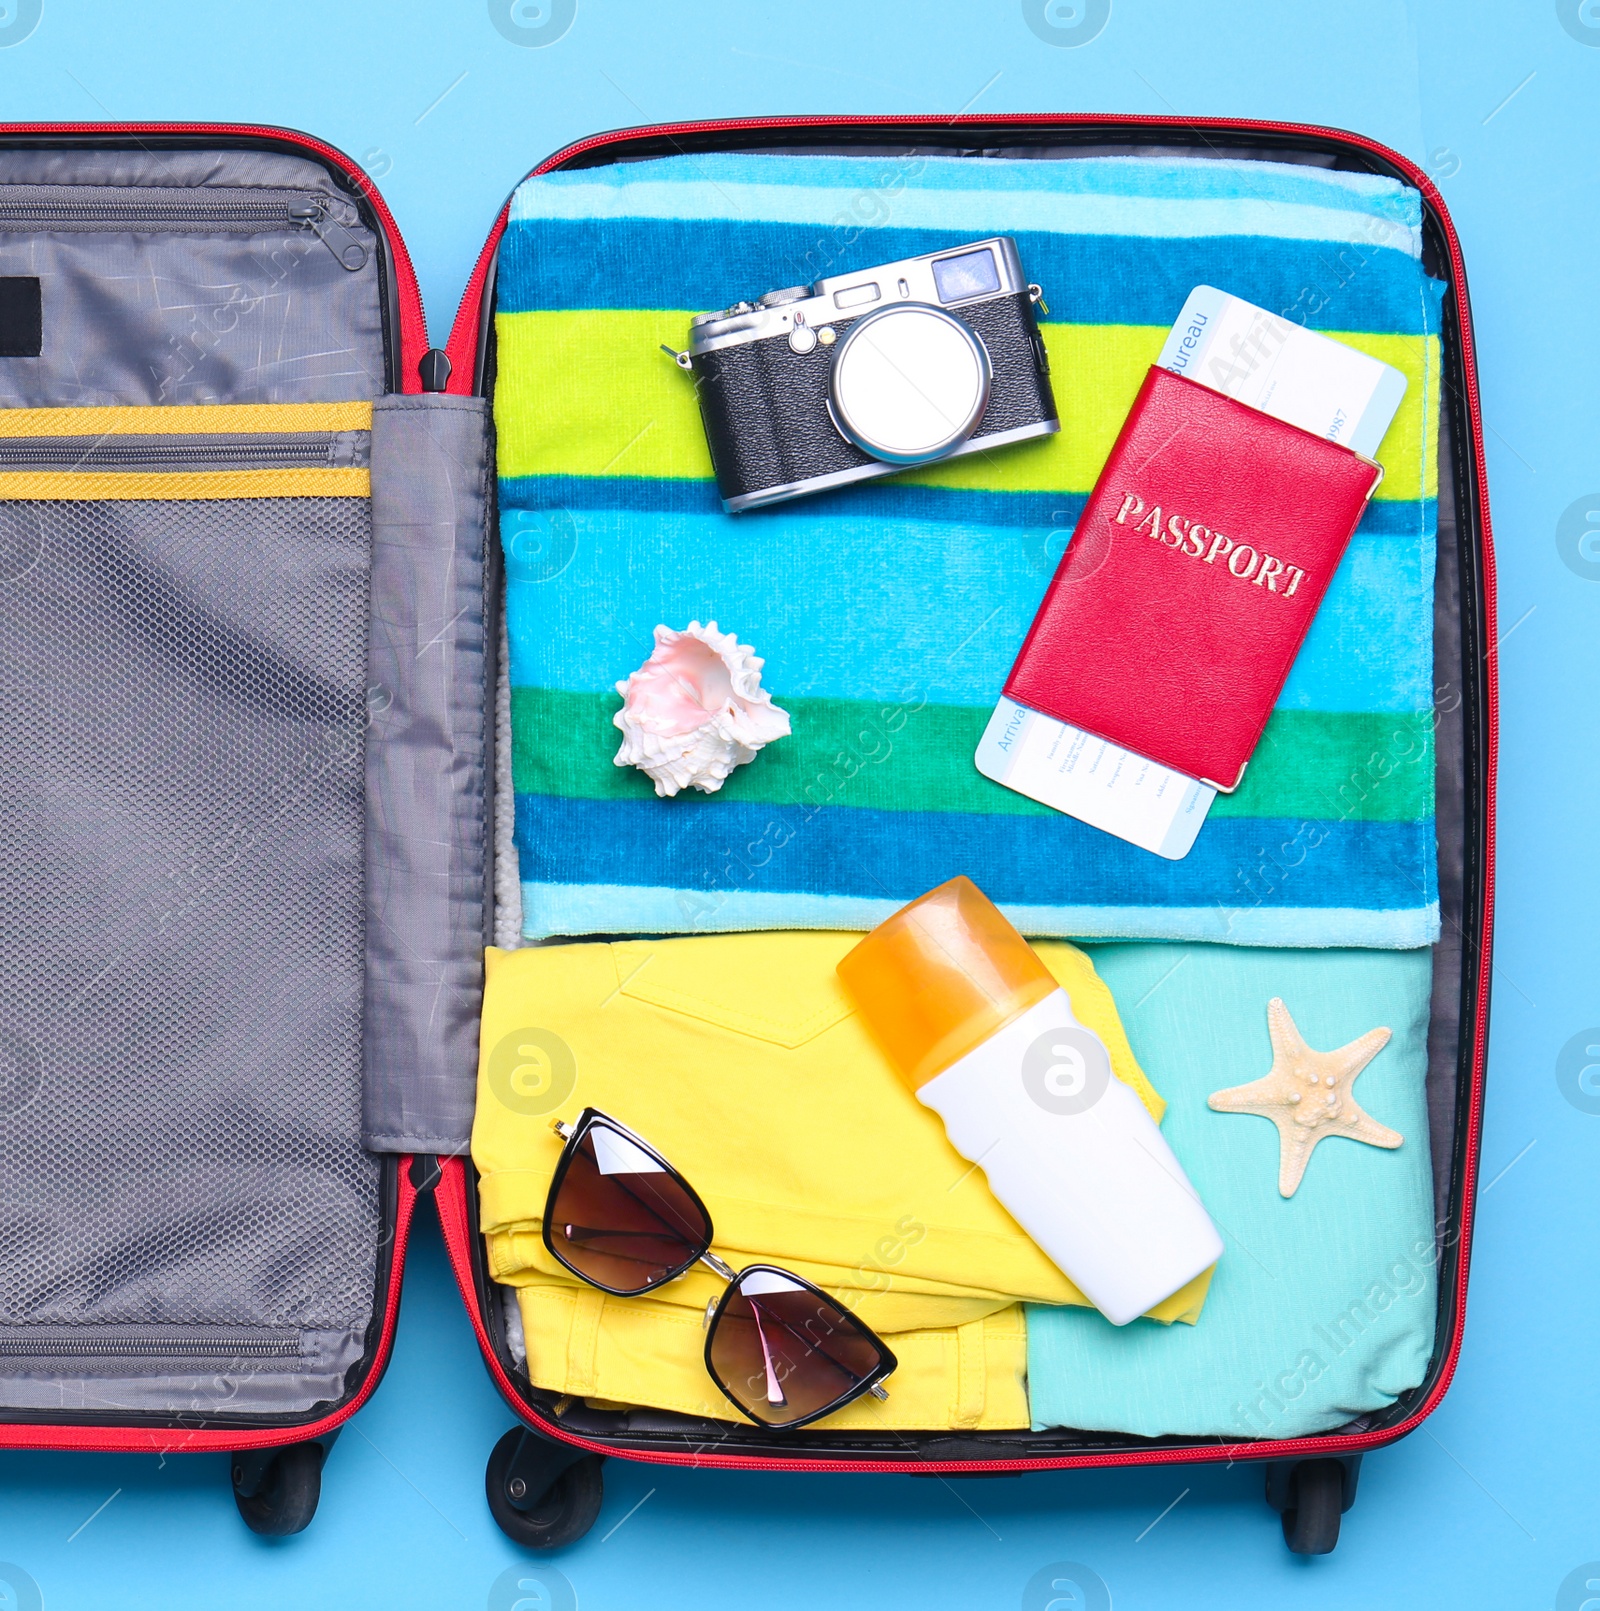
{"x": 620, "y": 1217}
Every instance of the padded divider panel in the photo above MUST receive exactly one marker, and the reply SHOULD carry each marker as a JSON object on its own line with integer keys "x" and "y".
{"x": 426, "y": 780}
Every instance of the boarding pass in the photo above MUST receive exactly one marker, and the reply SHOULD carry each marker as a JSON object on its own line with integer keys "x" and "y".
{"x": 1308, "y": 380}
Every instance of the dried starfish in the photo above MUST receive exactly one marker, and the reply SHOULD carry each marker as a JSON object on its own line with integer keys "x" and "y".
{"x": 1308, "y": 1096}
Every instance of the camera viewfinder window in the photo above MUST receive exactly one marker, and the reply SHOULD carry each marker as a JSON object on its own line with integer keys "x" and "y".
{"x": 970, "y": 274}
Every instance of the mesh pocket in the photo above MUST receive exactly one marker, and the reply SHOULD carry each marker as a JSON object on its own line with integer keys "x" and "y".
{"x": 182, "y": 727}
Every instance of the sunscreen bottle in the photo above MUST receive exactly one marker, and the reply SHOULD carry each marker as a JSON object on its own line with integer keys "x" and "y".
{"x": 978, "y": 1028}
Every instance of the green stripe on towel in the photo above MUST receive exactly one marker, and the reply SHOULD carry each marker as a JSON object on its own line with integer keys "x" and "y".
{"x": 1358, "y": 766}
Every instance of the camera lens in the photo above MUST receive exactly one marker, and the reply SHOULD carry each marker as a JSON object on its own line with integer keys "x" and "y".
{"x": 910, "y": 383}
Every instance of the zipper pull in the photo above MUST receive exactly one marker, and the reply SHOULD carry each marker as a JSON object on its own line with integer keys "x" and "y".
{"x": 433, "y": 369}
{"x": 347, "y": 250}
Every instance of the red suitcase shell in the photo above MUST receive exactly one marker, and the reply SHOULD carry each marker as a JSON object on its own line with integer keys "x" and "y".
{"x": 544, "y": 1477}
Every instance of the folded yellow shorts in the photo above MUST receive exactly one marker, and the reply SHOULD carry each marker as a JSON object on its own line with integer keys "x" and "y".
{"x": 741, "y": 1060}
{"x": 635, "y": 1351}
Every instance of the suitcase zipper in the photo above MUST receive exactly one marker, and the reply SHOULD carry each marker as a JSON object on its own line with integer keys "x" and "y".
{"x": 141, "y": 455}
{"x": 192, "y": 210}
{"x": 125, "y": 1345}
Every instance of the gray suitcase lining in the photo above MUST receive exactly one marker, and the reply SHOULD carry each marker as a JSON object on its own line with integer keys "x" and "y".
{"x": 240, "y": 860}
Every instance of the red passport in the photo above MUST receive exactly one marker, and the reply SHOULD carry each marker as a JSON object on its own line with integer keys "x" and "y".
{"x": 1191, "y": 580}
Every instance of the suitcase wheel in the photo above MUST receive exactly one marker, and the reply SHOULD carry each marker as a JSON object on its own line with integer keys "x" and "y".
{"x": 277, "y": 1490}
{"x": 542, "y": 1494}
{"x": 1312, "y": 1496}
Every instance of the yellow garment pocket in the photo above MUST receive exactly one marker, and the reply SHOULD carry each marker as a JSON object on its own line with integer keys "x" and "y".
{"x": 724, "y": 979}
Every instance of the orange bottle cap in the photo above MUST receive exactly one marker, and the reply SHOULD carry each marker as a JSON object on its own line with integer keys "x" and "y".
{"x": 940, "y": 977}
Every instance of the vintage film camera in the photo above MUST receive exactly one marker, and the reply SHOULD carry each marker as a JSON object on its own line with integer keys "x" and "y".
{"x": 863, "y": 374}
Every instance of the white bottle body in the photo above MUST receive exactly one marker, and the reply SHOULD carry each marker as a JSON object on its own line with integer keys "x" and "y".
{"x": 1077, "y": 1160}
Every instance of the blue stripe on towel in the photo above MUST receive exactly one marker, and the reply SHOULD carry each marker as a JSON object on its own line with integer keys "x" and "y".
{"x": 1087, "y": 279}
{"x": 775, "y": 584}
{"x": 710, "y": 844}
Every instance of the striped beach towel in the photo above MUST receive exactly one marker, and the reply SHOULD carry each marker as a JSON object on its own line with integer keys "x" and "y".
{"x": 890, "y": 613}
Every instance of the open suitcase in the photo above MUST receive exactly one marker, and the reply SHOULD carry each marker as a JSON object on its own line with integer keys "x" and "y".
{"x": 251, "y": 864}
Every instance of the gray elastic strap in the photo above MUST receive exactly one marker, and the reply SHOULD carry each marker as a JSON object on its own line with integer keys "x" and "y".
{"x": 425, "y": 772}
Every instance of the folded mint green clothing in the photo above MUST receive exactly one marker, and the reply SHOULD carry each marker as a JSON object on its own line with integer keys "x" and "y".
{"x": 1322, "y": 1307}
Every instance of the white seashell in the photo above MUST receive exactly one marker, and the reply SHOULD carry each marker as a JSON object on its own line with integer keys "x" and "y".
{"x": 695, "y": 710}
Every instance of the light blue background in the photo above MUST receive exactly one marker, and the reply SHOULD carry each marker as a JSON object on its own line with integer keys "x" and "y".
{"x": 1494, "y": 1501}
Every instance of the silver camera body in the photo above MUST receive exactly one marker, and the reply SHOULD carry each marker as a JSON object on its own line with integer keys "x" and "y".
{"x": 862, "y": 374}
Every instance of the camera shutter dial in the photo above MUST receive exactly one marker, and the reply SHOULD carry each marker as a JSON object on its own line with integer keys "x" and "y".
{"x": 910, "y": 383}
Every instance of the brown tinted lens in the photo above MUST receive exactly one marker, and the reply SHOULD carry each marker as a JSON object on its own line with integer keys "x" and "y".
{"x": 784, "y": 1352}
{"x": 620, "y": 1219}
